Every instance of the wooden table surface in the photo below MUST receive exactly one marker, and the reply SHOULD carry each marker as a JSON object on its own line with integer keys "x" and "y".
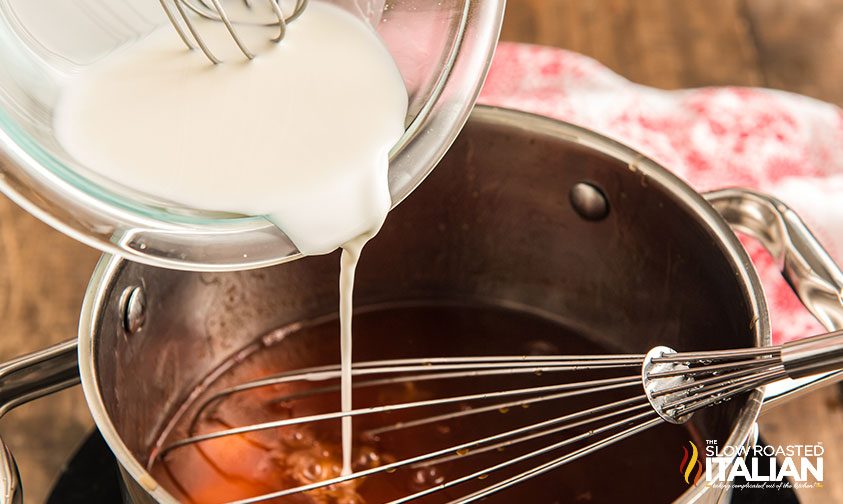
{"x": 787, "y": 44}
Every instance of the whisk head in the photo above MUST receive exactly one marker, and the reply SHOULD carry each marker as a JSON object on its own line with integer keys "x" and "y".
{"x": 182, "y": 14}
{"x": 675, "y": 385}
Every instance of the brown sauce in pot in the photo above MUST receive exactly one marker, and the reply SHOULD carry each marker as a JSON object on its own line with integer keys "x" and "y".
{"x": 644, "y": 468}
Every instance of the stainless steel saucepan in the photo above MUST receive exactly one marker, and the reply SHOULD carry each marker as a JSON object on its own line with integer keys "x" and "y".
{"x": 523, "y": 210}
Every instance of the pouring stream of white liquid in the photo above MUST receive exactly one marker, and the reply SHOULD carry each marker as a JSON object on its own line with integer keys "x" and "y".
{"x": 348, "y": 266}
{"x": 301, "y": 134}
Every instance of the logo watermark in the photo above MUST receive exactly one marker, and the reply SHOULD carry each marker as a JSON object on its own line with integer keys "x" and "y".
{"x": 759, "y": 466}
{"x": 690, "y": 466}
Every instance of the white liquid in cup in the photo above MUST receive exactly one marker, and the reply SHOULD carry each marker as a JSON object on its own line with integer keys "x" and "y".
{"x": 301, "y": 134}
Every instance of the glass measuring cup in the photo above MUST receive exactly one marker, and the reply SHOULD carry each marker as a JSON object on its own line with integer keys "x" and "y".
{"x": 443, "y": 50}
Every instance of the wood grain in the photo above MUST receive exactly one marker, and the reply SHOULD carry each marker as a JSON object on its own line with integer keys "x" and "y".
{"x": 817, "y": 418}
{"x": 662, "y": 43}
{"x": 799, "y": 45}
{"x": 43, "y": 275}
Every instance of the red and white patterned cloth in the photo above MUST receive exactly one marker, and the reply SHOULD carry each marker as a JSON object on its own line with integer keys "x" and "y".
{"x": 783, "y": 144}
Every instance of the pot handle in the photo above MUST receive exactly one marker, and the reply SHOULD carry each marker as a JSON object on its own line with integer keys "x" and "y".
{"x": 804, "y": 263}
{"x": 24, "y": 379}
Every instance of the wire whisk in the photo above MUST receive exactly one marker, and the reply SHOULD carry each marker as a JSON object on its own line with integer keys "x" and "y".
{"x": 181, "y": 13}
{"x": 644, "y": 390}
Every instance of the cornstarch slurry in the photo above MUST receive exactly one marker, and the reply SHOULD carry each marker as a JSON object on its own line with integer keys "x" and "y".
{"x": 301, "y": 134}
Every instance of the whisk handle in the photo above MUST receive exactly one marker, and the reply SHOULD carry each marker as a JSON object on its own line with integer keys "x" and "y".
{"x": 817, "y": 354}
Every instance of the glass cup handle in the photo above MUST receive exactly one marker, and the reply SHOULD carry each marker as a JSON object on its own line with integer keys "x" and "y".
{"x": 22, "y": 380}
{"x": 804, "y": 263}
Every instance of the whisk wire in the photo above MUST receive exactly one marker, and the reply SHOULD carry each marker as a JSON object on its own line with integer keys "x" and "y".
{"x": 501, "y": 406}
{"x": 215, "y": 11}
{"x": 763, "y": 379}
{"x": 570, "y": 457}
{"x": 527, "y": 456}
{"x": 711, "y": 368}
{"x": 185, "y": 18}
{"x": 458, "y": 367}
{"x": 675, "y": 385}
{"x": 699, "y": 383}
{"x": 466, "y": 448}
{"x": 641, "y": 404}
{"x": 223, "y": 16}
{"x": 585, "y": 386}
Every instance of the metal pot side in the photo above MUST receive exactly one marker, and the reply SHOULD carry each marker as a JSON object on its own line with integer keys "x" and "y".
{"x": 496, "y": 221}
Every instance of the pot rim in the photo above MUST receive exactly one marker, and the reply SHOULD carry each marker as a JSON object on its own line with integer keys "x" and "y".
{"x": 109, "y": 267}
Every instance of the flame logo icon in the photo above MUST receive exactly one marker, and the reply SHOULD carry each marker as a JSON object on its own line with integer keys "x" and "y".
{"x": 690, "y": 461}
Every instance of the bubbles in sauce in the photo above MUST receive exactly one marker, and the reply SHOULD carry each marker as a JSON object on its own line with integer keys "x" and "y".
{"x": 238, "y": 467}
